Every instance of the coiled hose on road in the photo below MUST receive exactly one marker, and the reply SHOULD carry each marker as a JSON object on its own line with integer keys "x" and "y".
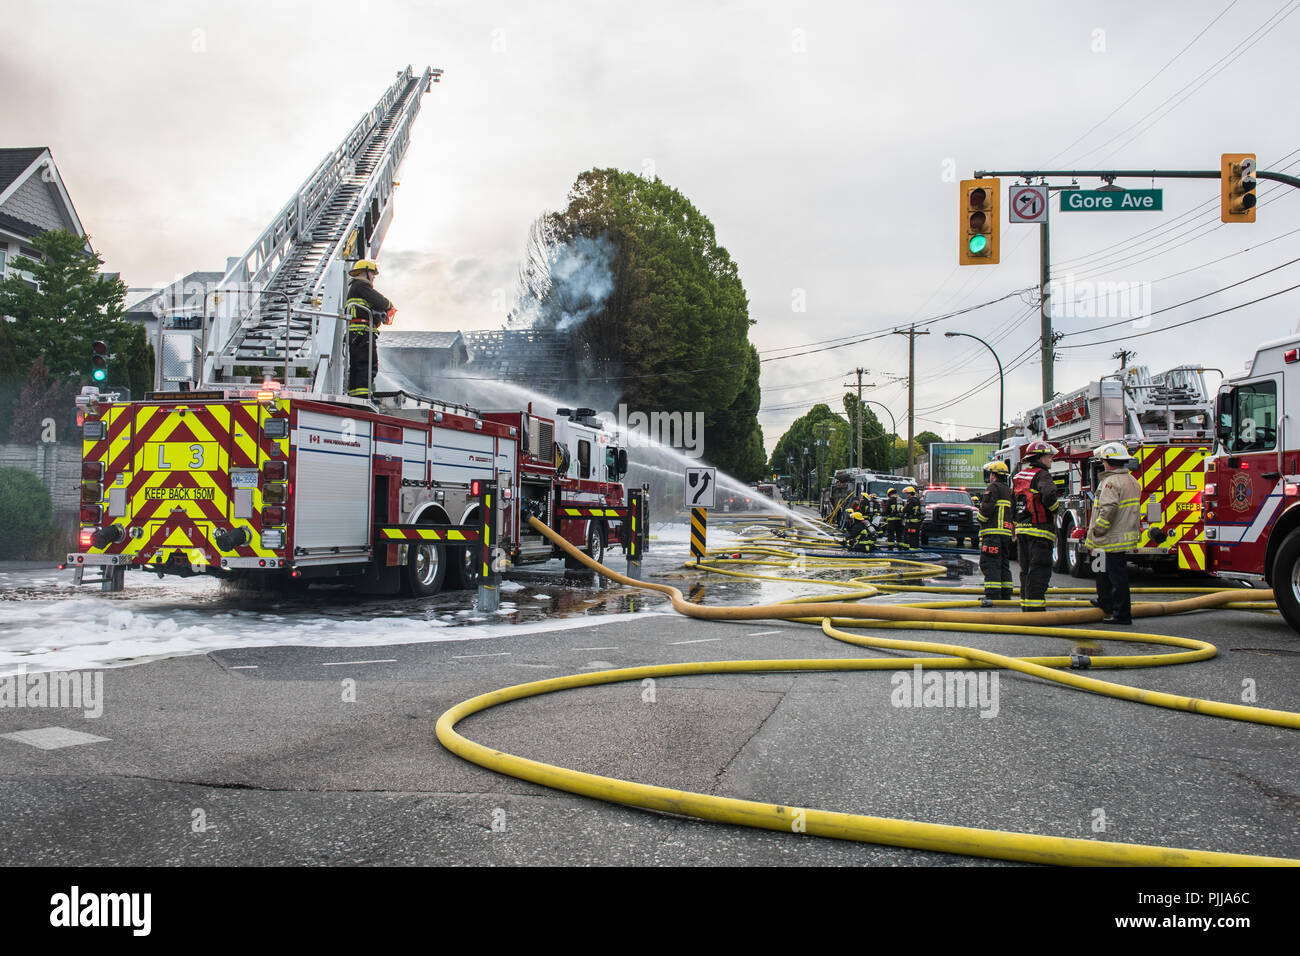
{"x": 832, "y": 617}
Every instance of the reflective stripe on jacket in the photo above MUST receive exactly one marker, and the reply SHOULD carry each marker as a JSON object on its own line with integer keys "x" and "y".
{"x": 995, "y": 510}
{"x": 1116, "y": 516}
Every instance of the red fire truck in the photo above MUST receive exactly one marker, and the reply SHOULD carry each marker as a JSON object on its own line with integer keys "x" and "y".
{"x": 1252, "y": 486}
{"x": 1165, "y": 420}
{"x": 262, "y": 484}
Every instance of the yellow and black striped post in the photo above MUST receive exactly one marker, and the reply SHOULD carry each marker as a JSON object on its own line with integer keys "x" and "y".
{"x": 489, "y": 580}
{"x": 633, "y": 528}
{"x": 699, "y": 525}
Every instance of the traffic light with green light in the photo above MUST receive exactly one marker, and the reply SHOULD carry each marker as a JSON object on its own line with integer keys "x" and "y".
{"x": 99, "y": 362}
{"x": 1237, "y": 187}
{"x": 978, "y": 223}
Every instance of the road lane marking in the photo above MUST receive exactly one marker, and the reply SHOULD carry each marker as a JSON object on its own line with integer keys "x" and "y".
{"x": 703, "y": 640}
{"x": 53, "y": 738}
{"x": 243, "y": 667}
{"x": 390, "y": 660}
{"x": 593, "y": 648}
{"x": 461, "y": 657}
{"x": 762, "y": 633}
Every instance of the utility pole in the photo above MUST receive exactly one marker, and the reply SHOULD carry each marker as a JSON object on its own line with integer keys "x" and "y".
{"x": 1045, "y": 308}
{"x": 911, "y": 393}
{"x": 861, "y": 372}
{"x": 1124, "y": 355}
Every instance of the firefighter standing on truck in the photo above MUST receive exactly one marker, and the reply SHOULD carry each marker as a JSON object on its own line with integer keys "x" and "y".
{"x": 367, "y": 310}
{"x": 912, "y": 516}
{"x": 995, "y": 534}
{"x": 1114, "y": 531}
{"x": 1036, "y": 500}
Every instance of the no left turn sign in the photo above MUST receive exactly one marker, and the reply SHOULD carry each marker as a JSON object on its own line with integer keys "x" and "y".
{"x": 1029, "y": 204}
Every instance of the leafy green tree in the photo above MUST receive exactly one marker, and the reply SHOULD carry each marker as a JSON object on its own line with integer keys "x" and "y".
{"x": 928, "y": 438}
{"x": 25, "y": 510}
{"x": 812, "y": 449}
{"x": 674, "y": 330}
{"x": 72, "y": 306}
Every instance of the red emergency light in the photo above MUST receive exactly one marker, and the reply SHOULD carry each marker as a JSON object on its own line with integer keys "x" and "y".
{"x": 85, "y": 536}
{"x": 476, "y": 487}
{"x": 1291, "y": 355}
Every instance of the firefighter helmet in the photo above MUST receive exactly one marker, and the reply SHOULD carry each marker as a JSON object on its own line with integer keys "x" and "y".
{"x": 909, "y": 490}
{"x": 856, "y": 516}
{"x": 365, "y": 265}
{"x": 1113, "y": 451}
{"x": 997, "y": 467}
{"x": 1036, "y": 448}
{"x": 891, "y": 491}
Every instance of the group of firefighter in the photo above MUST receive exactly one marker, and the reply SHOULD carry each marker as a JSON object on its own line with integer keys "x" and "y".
{"x": 1021, "y": 513}
{"x": 899, "y": 518}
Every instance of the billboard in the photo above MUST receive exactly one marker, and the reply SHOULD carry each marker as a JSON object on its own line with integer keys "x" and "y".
{"x": 958, "y": 464}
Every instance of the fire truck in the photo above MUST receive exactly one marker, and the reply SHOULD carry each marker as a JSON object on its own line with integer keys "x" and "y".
{"x": 279, "y": 487}
{"x": 1252, "y": 490}
{"x": 1166, "y": 422}
{"x": 847, "y": 481}
{"x": 249, "y": 462}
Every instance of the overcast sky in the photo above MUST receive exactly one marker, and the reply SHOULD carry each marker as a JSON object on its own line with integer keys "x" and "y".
{"x": 823, "y": 141}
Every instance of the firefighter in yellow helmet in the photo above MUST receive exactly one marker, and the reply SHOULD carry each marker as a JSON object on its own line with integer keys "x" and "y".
{"x": 913, "y": 514}
{"x": 367, "y": 310}
{"x": 996, "y": 528}
{"x": 893, "y": 517}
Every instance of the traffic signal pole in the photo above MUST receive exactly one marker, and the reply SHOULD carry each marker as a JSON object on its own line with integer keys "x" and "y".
{"x": 1046, "y": 345}
{"x": 1045, "y": 307}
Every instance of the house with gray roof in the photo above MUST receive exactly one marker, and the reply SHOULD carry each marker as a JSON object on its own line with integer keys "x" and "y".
{"x": 33, "y": 200}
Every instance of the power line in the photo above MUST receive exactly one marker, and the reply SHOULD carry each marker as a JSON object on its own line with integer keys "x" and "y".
{"x": 1179, "y": 305}
{"x": 1179, "y": 325}
{"x": 1134, "y": 94}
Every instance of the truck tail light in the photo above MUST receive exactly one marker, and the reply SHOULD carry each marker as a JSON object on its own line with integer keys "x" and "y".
{"x": 1211, "y": 489}
{"x": 276, "y": 428}
{"x": 85, "y": 536}
{"x": 275, "y": 493}
{"x": 93, "y": 430}
{"x": 275, "y": 470}
{"x": 1290, "y": 488}
{"x": 91, "y": 492}
{"x": 91, "y": 514}
{"x": 92, "y": 470}
{"x": 273, "y": 515}
{"x": 476, "y": 487}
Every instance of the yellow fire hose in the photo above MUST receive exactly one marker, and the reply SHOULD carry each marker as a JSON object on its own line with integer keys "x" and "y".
{"x": 1024, "y": 847}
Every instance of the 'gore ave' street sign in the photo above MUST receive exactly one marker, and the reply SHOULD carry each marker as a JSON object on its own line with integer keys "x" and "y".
{"x": 1105, "y": 200}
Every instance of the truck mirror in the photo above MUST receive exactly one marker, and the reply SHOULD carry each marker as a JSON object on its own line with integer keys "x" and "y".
{"x": 622, "y": 461}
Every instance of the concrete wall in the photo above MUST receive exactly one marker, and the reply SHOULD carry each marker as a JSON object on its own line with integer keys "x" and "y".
{"x": 59, "y": 467}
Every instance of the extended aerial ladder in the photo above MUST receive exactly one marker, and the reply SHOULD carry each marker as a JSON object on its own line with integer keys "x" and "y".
{"x": 276, "y": 312}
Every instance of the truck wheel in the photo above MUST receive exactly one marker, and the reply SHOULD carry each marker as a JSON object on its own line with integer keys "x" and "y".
{"x": 595, "y": 548}
{"x": 1059, "y": 548}
{"x": 463, "y": 567}
{"x": 426, "y": 566}
{"x": 1286, "y": 579}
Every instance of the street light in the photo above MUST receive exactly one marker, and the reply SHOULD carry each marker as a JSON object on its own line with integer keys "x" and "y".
{"x": 1001, "y": 379}
{"x": 892, "y": 424}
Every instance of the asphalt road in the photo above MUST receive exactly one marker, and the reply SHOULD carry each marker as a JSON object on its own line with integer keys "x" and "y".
{"x": 257, "y": 755}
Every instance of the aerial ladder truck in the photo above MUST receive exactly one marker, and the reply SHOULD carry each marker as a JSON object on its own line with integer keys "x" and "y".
{"x": 249, "y": 462}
